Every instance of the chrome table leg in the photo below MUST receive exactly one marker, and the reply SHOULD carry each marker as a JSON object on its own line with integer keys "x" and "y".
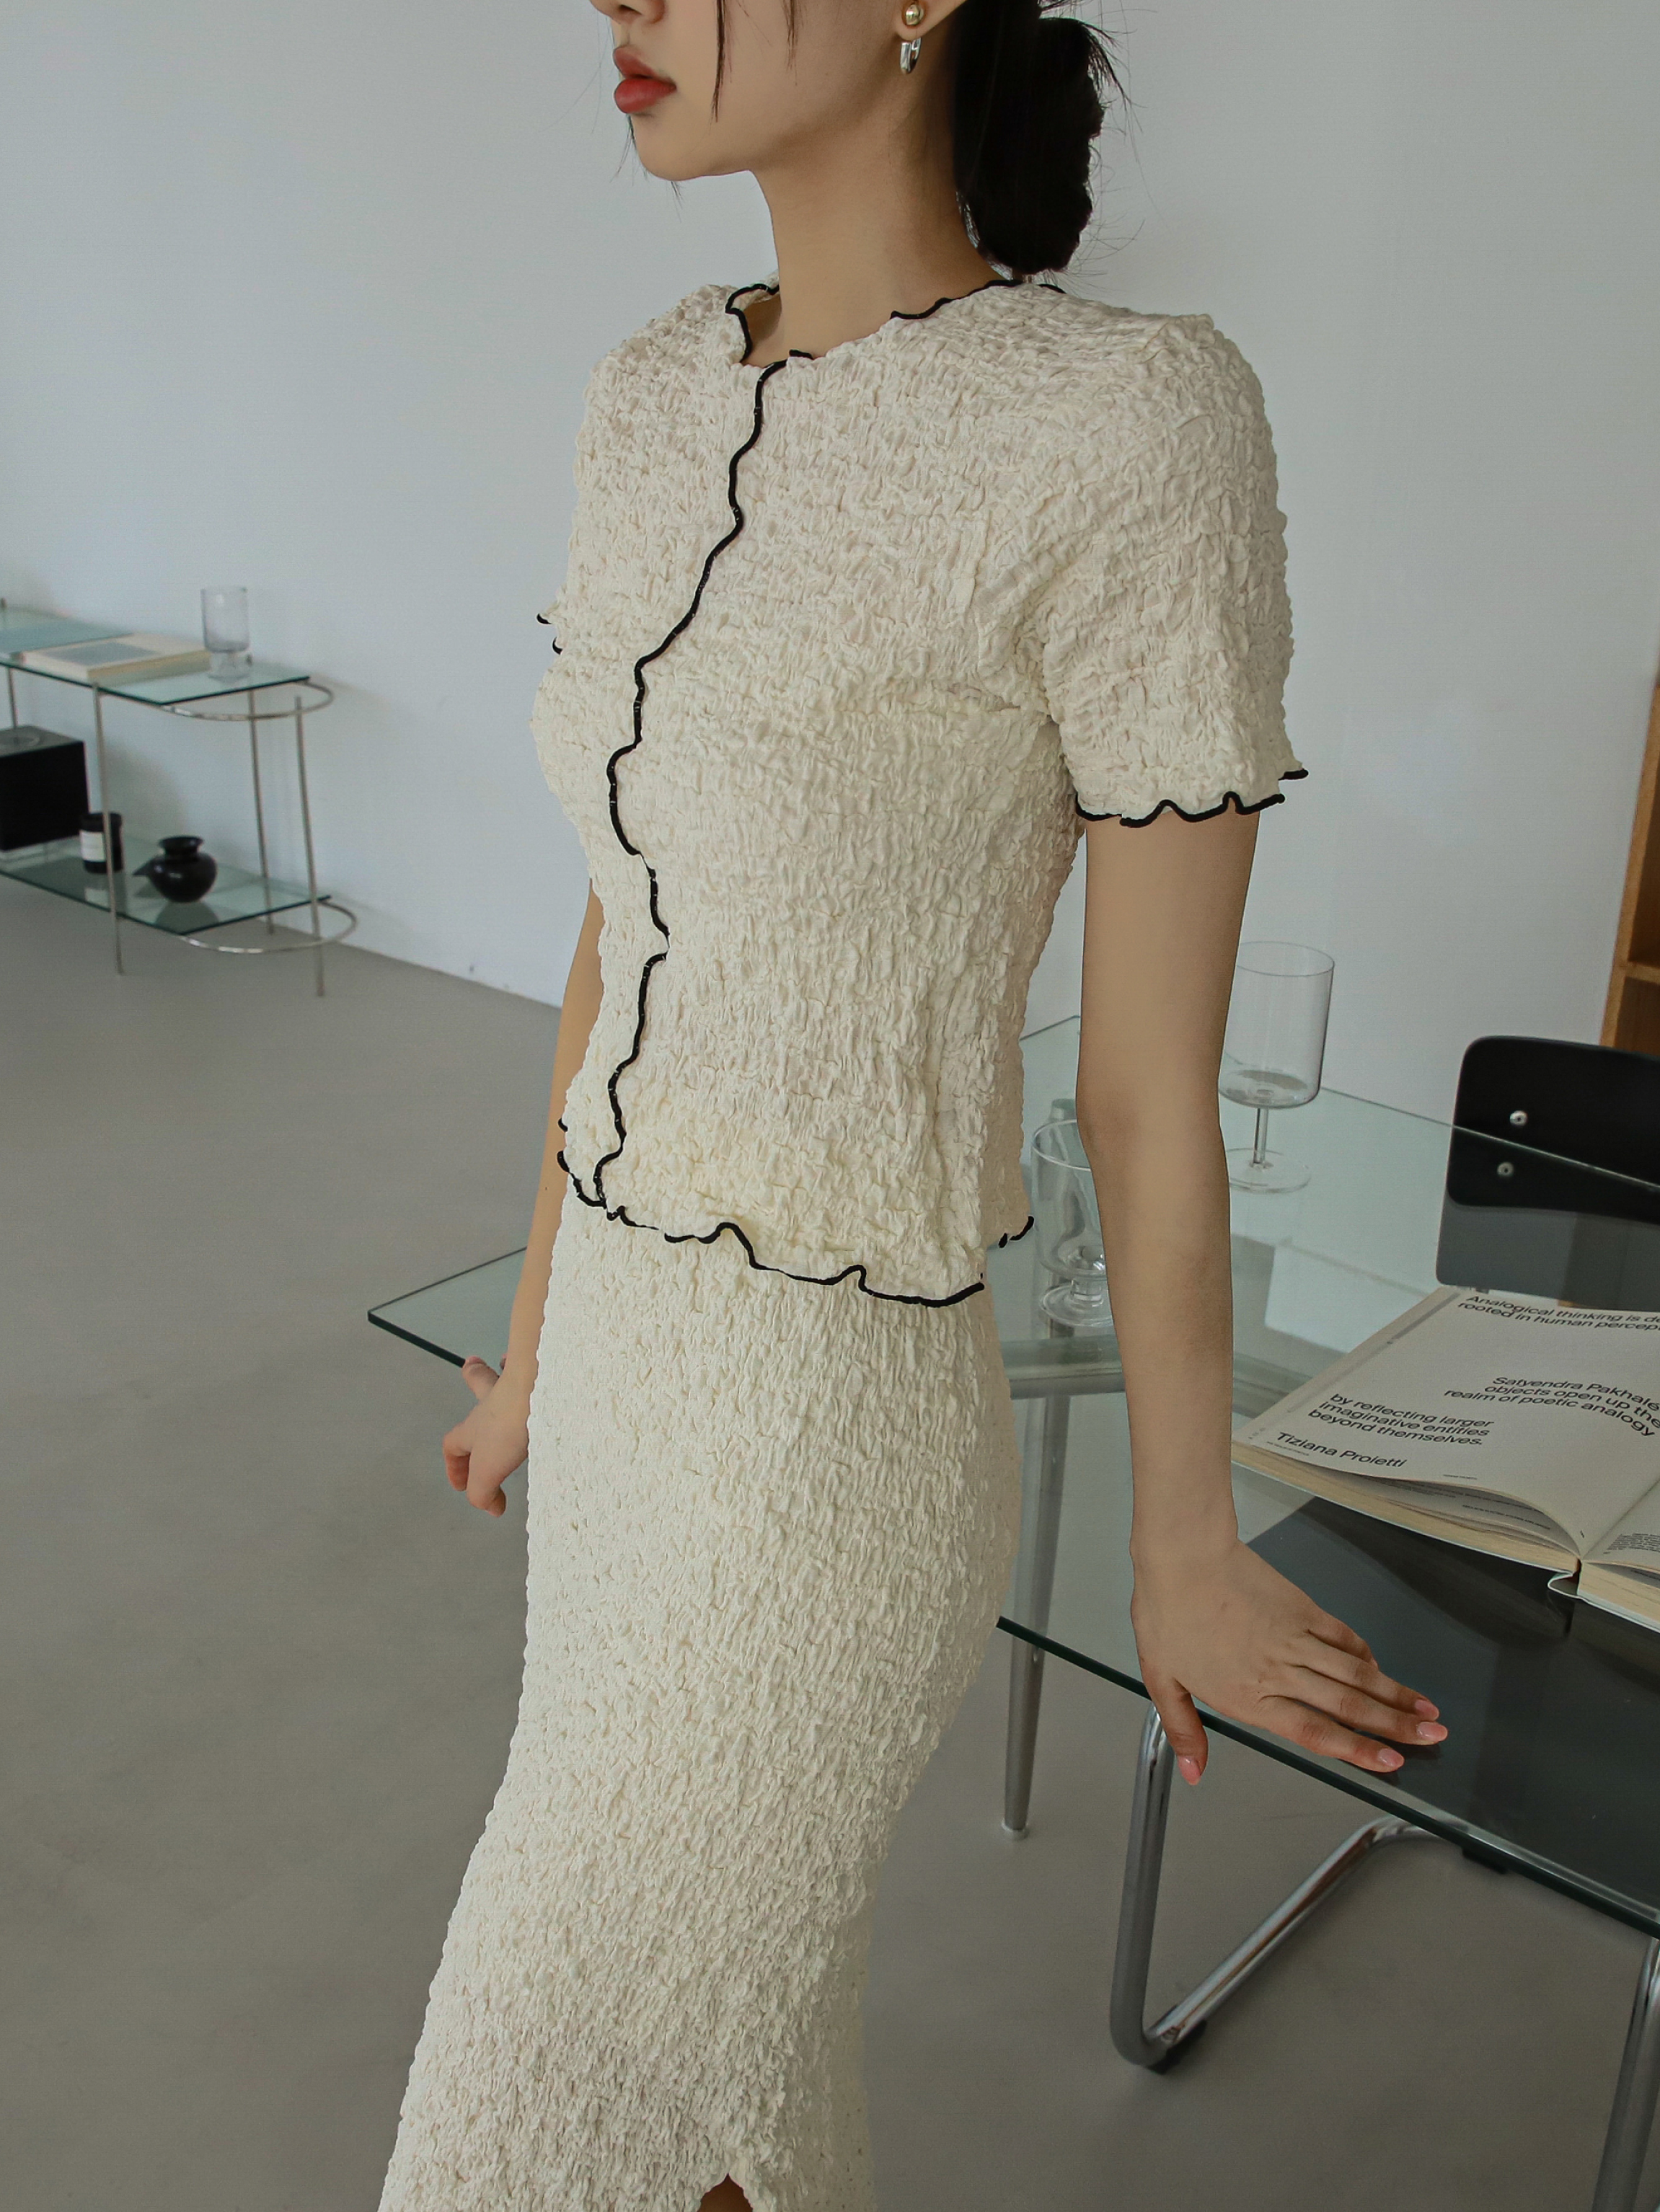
{"x": 1158, "y": 2046}
{"x": 1026, "y": 1660}
{"x": 111, "y": 882}
{"x": 311, "y": 850}
{"x": 1629, "y": 2123}
{"x": 1025, "y": 1696}
{"x": 259, "y": 811}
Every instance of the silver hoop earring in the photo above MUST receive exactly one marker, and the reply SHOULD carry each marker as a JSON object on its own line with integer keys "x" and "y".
{"x": 909, "y": 50}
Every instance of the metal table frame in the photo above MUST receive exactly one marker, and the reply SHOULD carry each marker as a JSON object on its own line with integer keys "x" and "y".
{"x": 307, "y": 697}
{"x": 1157, "y": 2045}
{"x": 1054, "y": 1370}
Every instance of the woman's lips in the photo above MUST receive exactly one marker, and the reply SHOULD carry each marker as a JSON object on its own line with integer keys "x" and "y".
{"x": 640, "y": 87}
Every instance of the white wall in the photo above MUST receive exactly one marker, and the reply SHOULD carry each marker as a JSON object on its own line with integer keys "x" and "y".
{"x": 305, "y": 297}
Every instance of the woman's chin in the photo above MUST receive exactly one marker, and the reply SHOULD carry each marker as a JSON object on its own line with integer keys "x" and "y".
{"x": 679, "y": 157}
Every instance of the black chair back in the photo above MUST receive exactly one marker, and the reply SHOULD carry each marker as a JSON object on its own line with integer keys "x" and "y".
{"x": 1581, "y": 1101}
{"x": 1545, "y": 1135}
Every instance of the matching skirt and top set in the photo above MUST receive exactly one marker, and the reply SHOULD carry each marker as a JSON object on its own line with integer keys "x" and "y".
{"x": 849, "y": 647}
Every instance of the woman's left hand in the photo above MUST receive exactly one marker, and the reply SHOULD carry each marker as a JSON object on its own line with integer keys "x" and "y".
{"x": 1229, "y": 1629}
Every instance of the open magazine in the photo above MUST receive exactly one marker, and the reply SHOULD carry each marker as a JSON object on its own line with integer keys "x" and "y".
{"x": 1511, "y": 1425}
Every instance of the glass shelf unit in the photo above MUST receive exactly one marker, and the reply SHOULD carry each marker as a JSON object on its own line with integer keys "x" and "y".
{"x": 265, "y": 691}
{"x": 236, "y": 896}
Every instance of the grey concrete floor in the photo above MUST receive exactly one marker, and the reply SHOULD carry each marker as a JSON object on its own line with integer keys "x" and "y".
{"x": 260, "y": 1668}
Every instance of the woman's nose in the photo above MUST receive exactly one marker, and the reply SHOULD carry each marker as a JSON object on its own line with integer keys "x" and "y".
{"x": 625, "y": 13}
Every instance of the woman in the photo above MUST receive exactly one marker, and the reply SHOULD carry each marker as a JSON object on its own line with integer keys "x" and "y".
{"x": 890, "y": 578}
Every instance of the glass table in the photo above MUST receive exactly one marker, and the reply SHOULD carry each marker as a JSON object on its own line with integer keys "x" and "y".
{"x": 263, "y": 691}
{"x": 1552, "y": 1766}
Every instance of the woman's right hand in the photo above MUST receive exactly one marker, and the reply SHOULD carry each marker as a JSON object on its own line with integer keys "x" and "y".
{"x": 1221, "y": 1627}
{"x": 492, "y": 1442}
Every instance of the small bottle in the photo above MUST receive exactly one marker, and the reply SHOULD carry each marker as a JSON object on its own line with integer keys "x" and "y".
{"x": 92, "y": 844}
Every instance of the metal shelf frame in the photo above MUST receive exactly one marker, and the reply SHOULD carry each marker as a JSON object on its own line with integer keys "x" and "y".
{"x": 305, "y": 695}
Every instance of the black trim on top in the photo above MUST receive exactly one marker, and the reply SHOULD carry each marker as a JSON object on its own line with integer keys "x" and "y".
{"x": 857, "y": 1268}
{"x": 897, "y": 315}
{"x": 638, "y": 738}
{"x": 1208, "y": 814}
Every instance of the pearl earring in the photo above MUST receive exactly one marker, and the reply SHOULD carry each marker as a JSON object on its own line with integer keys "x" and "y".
{"x": 910, "y": 48}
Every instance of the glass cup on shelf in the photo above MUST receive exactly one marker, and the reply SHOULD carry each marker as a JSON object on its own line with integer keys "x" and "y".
{"x": 225, "y": 629}
{"x": 1273, "y": 1051}
{"x": 1068, "y": 1219}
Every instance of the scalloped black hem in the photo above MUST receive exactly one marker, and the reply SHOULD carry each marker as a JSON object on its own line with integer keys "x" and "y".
{"x": 855, "y": 1269}
{"x": 1209, "y": 814}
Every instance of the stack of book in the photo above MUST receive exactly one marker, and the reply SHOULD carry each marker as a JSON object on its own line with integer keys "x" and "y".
{"x": 1515, "y": 1426}
{"x": 114, "y": 660}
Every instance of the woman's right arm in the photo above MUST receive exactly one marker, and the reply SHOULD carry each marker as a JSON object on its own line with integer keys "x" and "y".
{"x": 491, "y": 1443}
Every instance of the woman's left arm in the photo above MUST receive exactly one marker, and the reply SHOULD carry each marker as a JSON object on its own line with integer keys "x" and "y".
{"x": 1213, "y": 1621}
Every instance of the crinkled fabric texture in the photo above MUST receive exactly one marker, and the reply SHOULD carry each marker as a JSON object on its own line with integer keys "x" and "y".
{"x": 847, "y": 645}
{"x": 770, "y": 1526}
{"x": 1014, "y": 560}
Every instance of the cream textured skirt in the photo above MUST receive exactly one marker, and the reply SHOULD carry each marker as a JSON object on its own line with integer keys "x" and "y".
{"x": 771, "y": 1523}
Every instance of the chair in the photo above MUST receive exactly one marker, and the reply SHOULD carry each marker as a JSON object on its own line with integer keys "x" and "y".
{"x": 1585, "y": 1103}
{"x": 1554, "y": 1155}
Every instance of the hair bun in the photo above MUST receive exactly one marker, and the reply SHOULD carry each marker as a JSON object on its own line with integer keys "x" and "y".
{"x": 1028, "y": 102}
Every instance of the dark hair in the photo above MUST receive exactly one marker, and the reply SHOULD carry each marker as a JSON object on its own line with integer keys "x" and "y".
{"x": 1028, "y": 97}
{"x": 1028, "y": 101}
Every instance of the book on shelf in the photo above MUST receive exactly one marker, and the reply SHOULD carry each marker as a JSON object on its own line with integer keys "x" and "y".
{"x": 127, "y": 660}
{"x": 1515, "y": 1426}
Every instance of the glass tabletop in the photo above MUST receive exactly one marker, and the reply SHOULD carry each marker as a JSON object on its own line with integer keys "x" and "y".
{"x": 170, "y": 691}
{"x": 27, "y": 630}
{"x": 1551, "y": 1765}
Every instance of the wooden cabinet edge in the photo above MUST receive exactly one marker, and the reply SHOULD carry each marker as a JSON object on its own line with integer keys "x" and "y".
{"x": 1632, "y": 1017}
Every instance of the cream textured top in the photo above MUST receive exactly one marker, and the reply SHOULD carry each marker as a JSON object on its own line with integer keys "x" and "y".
{"x": 847, "y": 645}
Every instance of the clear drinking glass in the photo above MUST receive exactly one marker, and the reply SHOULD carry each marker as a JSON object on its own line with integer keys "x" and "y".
{"x": 1069, "y": 1244}
{"x": 1273, "y": 1050}
{"x": 225, "y": 629}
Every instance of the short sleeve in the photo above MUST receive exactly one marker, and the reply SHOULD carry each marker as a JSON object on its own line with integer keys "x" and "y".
{"x": 1164, "y": 631}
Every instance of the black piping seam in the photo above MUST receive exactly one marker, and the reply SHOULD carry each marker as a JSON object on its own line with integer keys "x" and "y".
{"x": 856, "y": 1268}
{"x": 898, "y": 314}
{"x": 638, "y": 738}
{"x": 764, "y": 1266}
{"x": 1228, "y": 798}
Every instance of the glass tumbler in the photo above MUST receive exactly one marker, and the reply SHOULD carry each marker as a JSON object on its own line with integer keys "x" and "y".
{"x": 1274, "y": 1049}
{"x": 1069, "y": 1242}
{"x": 225, "y": 629}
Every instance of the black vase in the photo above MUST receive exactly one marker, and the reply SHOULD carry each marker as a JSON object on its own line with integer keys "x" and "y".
{"x": 181, "y": 870}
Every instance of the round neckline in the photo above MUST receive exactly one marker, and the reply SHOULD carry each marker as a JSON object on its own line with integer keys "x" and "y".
{"x": 736, "y": 358}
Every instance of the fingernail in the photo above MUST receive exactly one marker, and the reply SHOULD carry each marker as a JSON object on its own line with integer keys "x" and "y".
{"x": 1432, "y": 1731}
{"x": 1390, "y": 1760}
{"x": 1430, "y": 1712}
{"x": 1188, "y": 1769}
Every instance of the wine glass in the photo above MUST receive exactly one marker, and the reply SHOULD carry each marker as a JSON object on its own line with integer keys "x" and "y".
{"x": 1070, "y": 1240}
{"x": 1273, "y": 1051}
{"x": 225, "y": 629}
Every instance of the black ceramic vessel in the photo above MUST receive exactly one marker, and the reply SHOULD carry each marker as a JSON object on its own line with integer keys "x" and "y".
{"x": 181, "y": 870}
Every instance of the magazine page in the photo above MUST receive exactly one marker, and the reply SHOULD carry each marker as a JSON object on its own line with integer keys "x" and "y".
{"x": 1622, "y": 1574}
{"x": 1633, "y": 1543}
{"x": 1490, "y": 1396}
